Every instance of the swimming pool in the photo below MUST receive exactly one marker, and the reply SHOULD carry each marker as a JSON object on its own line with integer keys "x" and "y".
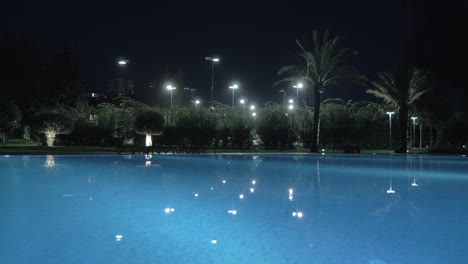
{"x": 242, "y": 208}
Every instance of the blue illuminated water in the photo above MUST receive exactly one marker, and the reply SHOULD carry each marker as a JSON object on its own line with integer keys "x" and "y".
{"x": 111, "y": 209}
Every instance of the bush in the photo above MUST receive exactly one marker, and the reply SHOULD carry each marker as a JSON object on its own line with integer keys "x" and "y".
{"x": 149, "y": 122}
{"x": 52, "y": 123}
{"x": 276, "y": 127}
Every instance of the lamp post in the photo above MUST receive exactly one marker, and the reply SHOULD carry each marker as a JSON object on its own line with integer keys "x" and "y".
{"x": 298, "y": 86}
{"x": 233, "y": 88}
{"x": 252, "y": 107}
{"x": 414, "y": 130}
{"x": 123, "y": 64}
{"x": 171, "y": 88}
{"x": 390, "y": 126}
{"x": 197, "y": 102}
{"x": 242, "y": 102}
{"x": 213, "y": 60}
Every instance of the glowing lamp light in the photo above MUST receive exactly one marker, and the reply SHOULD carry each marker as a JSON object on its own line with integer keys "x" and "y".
{"x": 241, "y": 196}
{"x": 254, "y": 114}
{"x": 390, "y": 190}
{"x": 233, "y": 212}
{"x": 122, "y": 62}
{"x": 299, "y": 85}
{"x": 299, "y": 214}
{"x": 291, "y": 107}
{"x": 291, "y": 101}
{"x": 252, "y": 107}
{"x": 414, "y": 184}
{"x": 118, "y": 237}
{"x": 168, "y": 210}
{"x": 242, "y": 101}
{"x": 170, "y": 87}
{"x": 215, "y": 59}
{"x": 252, "y": 190}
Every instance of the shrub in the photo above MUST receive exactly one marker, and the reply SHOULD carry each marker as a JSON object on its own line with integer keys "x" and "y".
{"x": 149, "y": 123}
{"x": 276, "y": 127}
{"x": 52, "y": 123}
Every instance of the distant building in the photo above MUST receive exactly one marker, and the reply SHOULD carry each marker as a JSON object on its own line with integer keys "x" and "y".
{"x": 121, "y": 87}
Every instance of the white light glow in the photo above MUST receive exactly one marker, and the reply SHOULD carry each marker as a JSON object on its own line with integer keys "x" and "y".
{"x": 252, "y": 190}
{"x": 224, "y": 181}
{"x": 215, "y": 59}
{"x": 214, "y": 241}
{"x": 390, "y": 191}
{"x": 170, "y": 87}
{"x": 291, "y": 101}
{"x": 414, "y": 184}
{"x": 291, "y": 191}
{"x": 241, "y": 196}
{"x": 122, "y": 62}
{"x": 254, "y": 114}
{"x": 148, "y": 163}
{"x": 242, "y": 101}
{"x": 234, "y": 212}
{"x": 291, "y": 107}
{"x": 294, "y": 214}
{"x": 254, "y": 182}
{"x": 252, "y": 107}
{"x": 167, "y": 210}
{"x": 323, "y": 150}
{"x": 195, "y": 194}
{"x": 290, "y": 197}
{"x": 299, "y": 214}
{"x": 211, "y": 188}
{"x": 172, "y": 209}
{"x": 118, "y": 237}
{"x": 300, "y": 85}
{"x": 197, "y": 101}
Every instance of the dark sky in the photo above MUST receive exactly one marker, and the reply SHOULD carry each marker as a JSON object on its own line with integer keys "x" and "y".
{"x": 253, "y": 41}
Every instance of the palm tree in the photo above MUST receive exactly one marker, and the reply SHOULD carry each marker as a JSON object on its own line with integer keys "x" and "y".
{"x": 322, "y": 64}
{"x": 401, "y": 88}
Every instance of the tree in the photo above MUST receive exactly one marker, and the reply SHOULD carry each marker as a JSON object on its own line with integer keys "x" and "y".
{"x": 51, "y": 123}
{"x": 401, "y": 88}
{"x": 323, "y": 64}
{"x": 10, "y": 119}
{"x": 150, "y": 123}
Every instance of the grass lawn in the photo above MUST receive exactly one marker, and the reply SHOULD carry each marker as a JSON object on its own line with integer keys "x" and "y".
{"x": 21, "y": 147}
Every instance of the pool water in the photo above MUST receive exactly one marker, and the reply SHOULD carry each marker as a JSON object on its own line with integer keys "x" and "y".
{"x": 243, "y": 208}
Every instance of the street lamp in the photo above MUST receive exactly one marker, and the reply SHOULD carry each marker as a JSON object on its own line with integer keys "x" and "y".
{"x": 252, "y": 107}
{"x": 390, "y": 126}
{"x": 197, "y": 102}
{"x": 242, "y": 102}
{"x": 171, "y": 88}
{"x": 123, "y": 64}
{"x": 213, "y": 60}
{"x": 291, "y": 101}
{"x": 233, "y": 88}
{"x": 291, "y": 107}
{"x": 298, "y": 86}
{"x": 414, "y": 130}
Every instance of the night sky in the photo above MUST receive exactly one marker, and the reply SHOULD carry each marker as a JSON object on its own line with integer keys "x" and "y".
{"x": 253, "y": 41}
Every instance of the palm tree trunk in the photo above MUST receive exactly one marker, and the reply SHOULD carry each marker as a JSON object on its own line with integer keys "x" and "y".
{"x": 315, "y": 130}
{"x": 403, "y": 120}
